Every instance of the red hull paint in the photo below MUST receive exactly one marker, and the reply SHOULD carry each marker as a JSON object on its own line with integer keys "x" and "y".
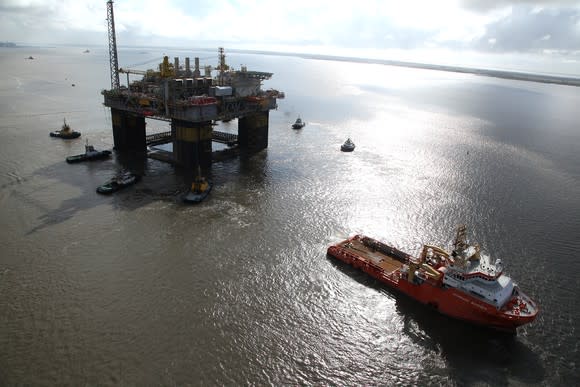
{"x": 448, "y": 301}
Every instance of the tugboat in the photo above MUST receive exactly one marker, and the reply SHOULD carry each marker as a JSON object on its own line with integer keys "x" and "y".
{"x": 464, "y": 284}
{"x": 122, "y": 180}
{"x": 90, "y": 154}
{"x": 348, "y": 146}
{"x": 65, "y": 132}
{"x": 199, "y": 190}
{"x": 200, "y": 187}
{"x": 299, "y": 124}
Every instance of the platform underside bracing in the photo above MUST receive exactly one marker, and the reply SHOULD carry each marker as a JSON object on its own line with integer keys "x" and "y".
{"x": 192, "y": 141}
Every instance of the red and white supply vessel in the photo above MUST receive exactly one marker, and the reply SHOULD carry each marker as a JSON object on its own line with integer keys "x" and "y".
{"x": 464, "y": 284}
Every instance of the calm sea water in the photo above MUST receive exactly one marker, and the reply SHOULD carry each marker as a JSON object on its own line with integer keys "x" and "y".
{"x": 137, "y": 288}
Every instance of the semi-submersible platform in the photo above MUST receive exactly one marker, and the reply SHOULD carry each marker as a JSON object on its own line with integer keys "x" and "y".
{"x": 192, "y": 102}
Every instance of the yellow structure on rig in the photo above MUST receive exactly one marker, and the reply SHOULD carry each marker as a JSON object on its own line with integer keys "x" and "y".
{"x": 166, "y": 69}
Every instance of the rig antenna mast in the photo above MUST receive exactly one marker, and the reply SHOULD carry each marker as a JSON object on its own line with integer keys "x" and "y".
{"x": 113, "y": 47}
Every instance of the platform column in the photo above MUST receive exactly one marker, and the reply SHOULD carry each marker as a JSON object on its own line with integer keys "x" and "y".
{"x": 192, "y": 144}
{"x": 128, "y": 131}
{"x": 253, "y": 131}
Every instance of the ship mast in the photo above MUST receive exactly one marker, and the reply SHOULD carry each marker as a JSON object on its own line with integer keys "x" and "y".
{"x": 460, "y": 243}
{"x": 461, "y": 246}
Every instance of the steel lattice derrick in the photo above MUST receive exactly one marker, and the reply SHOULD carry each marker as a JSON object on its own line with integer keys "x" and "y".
{"x": 112, "y": 47}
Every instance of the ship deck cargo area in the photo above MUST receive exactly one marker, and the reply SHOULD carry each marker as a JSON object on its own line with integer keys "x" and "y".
{"x": 386, "y": 262}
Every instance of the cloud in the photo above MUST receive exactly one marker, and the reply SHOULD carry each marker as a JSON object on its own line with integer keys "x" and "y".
{"x": 37, "y": 21}
{"x": 531, "y": 29}
{"x": 365, "y": 24}
{"x": 487, "y": 5}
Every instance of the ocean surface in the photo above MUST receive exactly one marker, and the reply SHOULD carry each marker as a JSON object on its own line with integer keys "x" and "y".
{"x": 139, "y": 289}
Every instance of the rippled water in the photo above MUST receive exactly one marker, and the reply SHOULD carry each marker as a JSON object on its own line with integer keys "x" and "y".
{"x": 138, "y": 289}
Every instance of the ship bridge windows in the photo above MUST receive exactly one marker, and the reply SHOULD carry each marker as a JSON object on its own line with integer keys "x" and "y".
{"x": 477, "y": 276}
{"x": 483, "y": 277}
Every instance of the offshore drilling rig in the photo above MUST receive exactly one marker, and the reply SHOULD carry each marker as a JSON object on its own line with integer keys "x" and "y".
{"x": 192, "y": 101}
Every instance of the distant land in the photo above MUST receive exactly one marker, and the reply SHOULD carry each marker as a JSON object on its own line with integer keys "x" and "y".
{"x": 515, "y": 75}
{"x": 7, "y": 44}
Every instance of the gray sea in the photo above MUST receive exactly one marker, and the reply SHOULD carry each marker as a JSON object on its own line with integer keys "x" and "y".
{"x": 138, "y": 289}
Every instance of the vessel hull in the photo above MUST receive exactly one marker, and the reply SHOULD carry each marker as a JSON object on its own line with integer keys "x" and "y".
{"x": 113, "y": 186}
{"x": 448, "y": 301}
{"x": 196, "y": 197}
{"x": 83, "y": 157}
{"x": 65, "y": 136}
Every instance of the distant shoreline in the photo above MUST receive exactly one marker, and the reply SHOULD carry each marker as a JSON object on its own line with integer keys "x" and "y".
{"x": 514, "y": 75}
{"x": 504, "y": 74}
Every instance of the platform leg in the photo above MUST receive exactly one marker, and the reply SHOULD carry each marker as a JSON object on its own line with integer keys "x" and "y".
{"x": 253, "y": 131}
{"x": 192, "y": 144}
{"x": 128, "y": 131}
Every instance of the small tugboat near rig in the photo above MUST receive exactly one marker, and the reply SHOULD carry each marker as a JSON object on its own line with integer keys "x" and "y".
{"x": 298, "y": 124}
{"x": 65, "y": 132}
{"x": 200, "y": 188}
{"x": 90, "y": 154}
{"x": 464, "y": 284}
{"x": 348, "y": 146}
{"x": 122, "y": 180}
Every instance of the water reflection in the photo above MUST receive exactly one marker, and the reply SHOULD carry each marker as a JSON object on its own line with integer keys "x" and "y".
{"x": 492, "y": 357}
{"x": 62, "y": 190}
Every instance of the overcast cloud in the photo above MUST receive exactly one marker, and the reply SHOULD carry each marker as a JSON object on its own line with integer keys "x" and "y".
{"x": 536, "y": 26}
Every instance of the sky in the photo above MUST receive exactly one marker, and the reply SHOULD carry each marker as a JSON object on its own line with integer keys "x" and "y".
{"x": 546, "y": 30}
